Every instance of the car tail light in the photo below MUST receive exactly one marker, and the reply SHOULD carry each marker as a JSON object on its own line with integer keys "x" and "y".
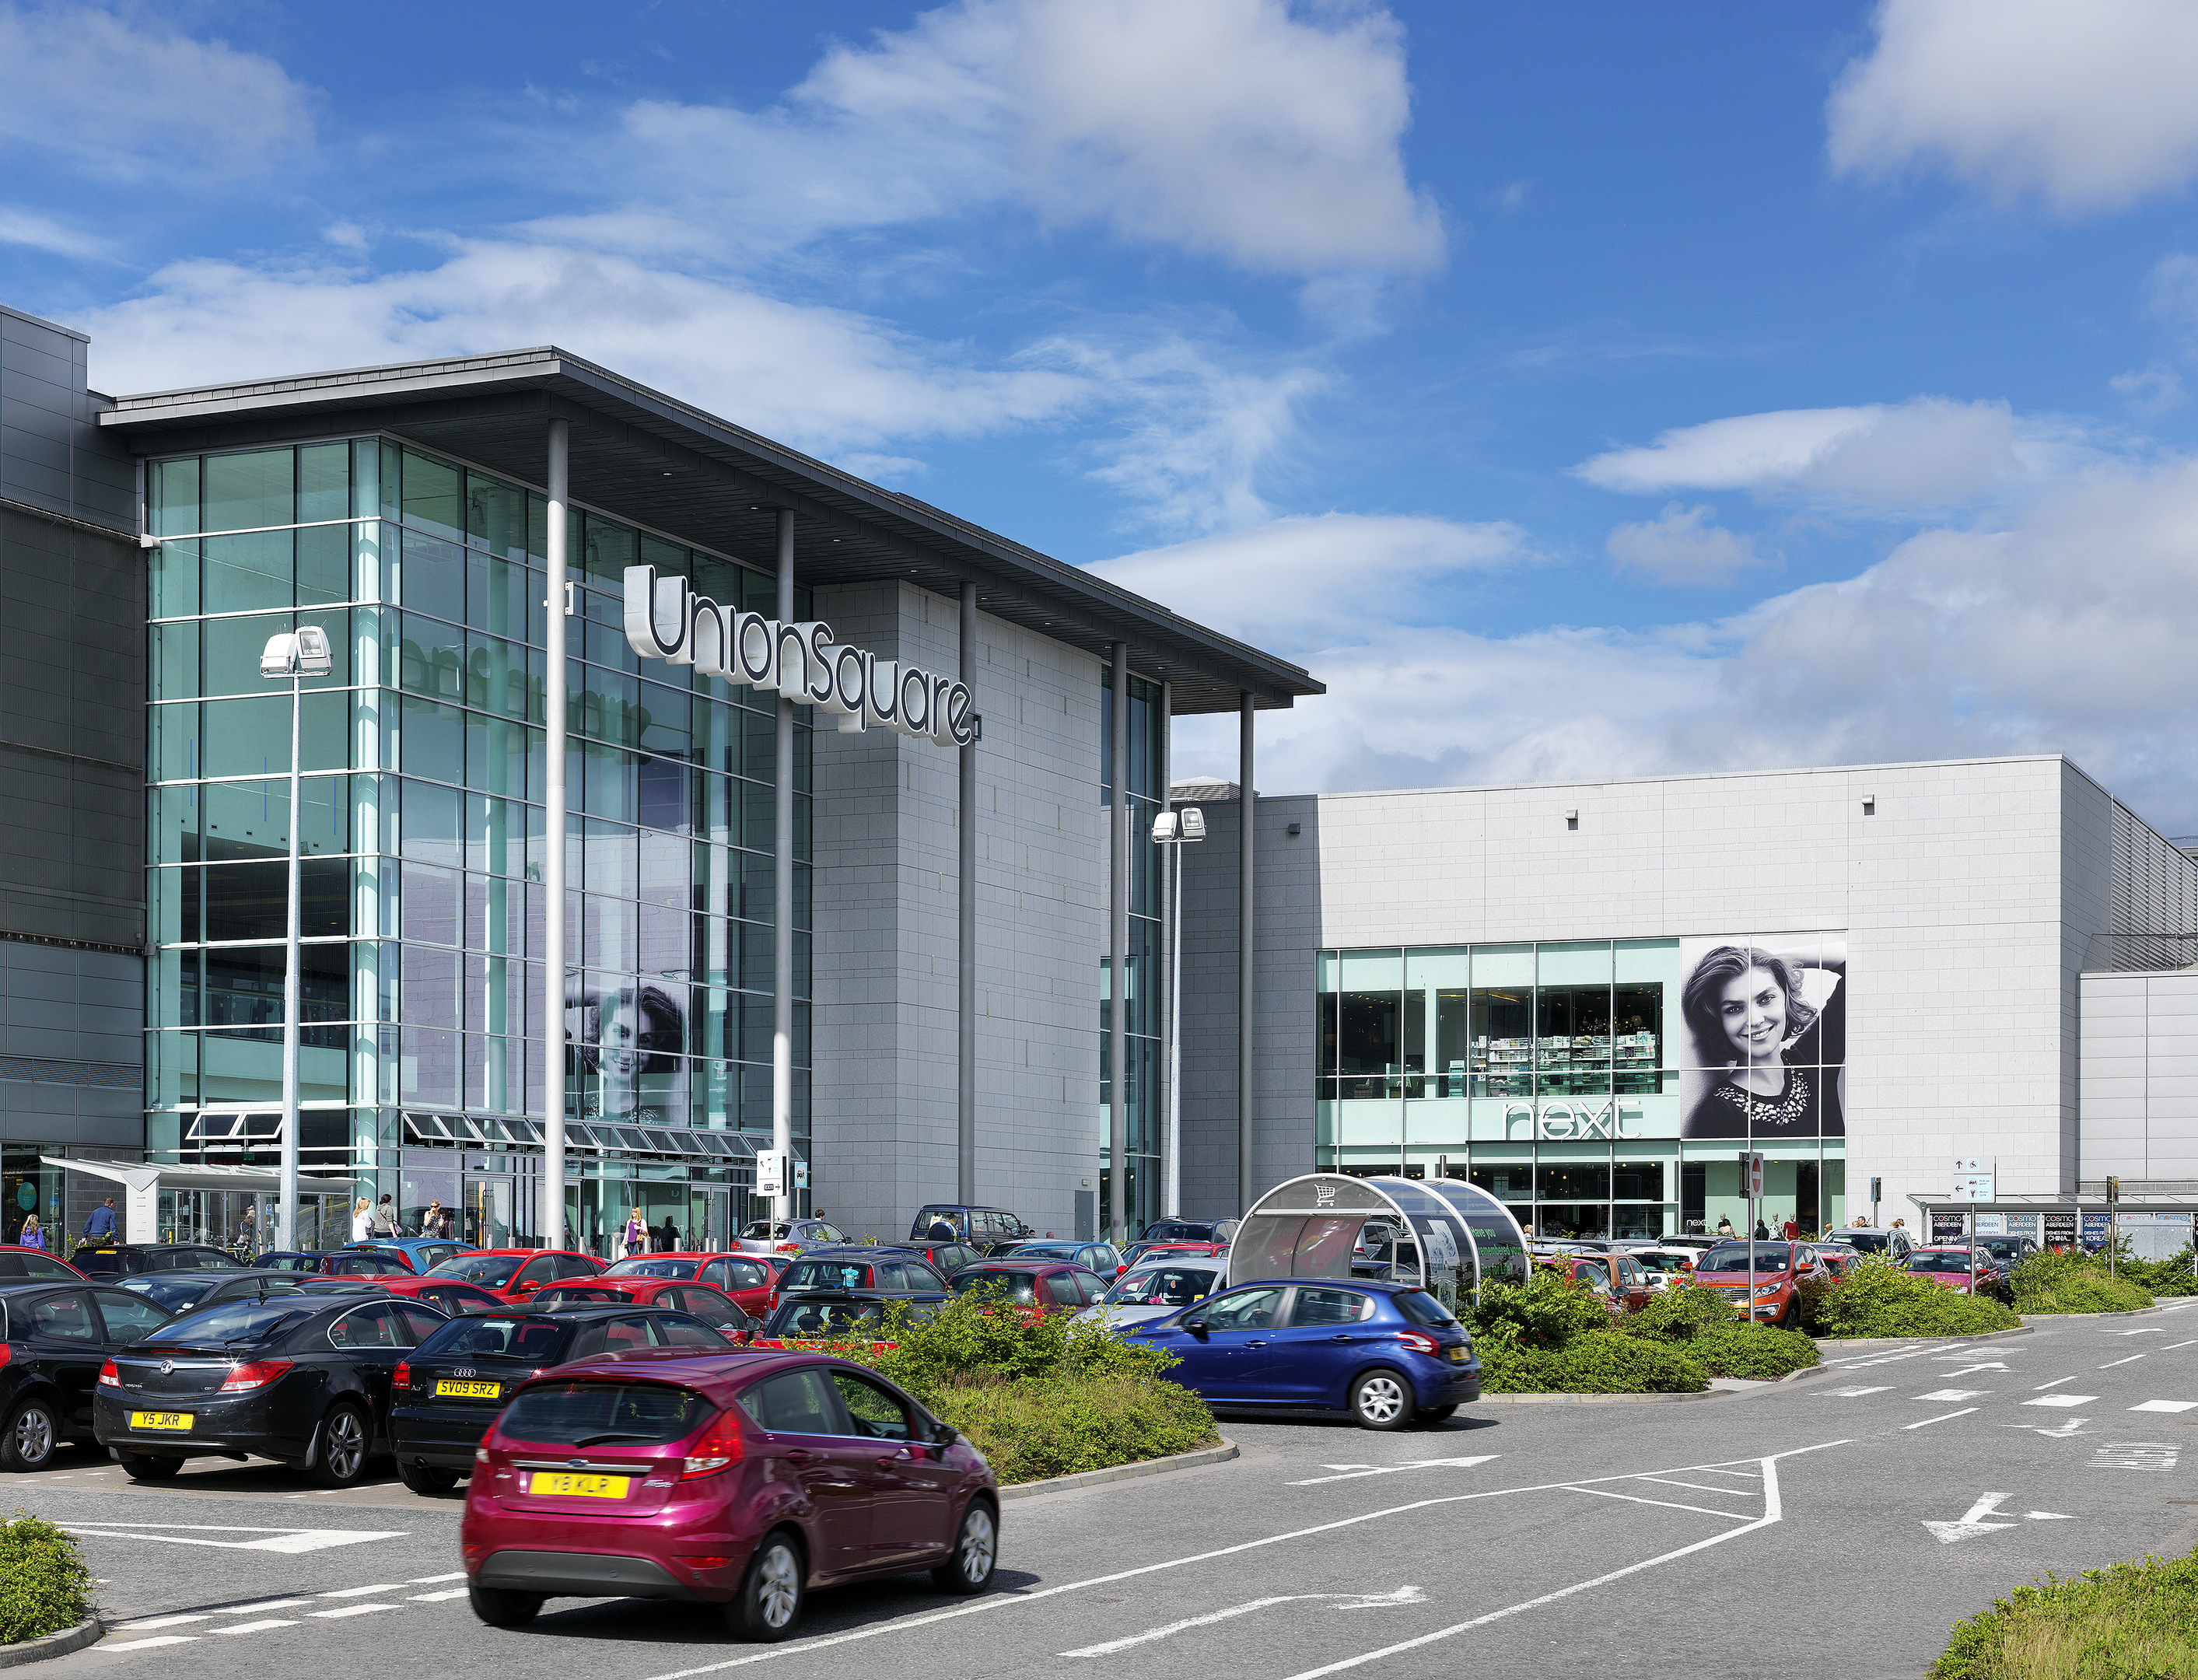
{"x": 722, "y": 1444}
{"x": 472, "y": 1554}
{"x": 253, "y": 1374}
{"x": 108, "y": 1376}
{"x": 1419, "y": 1341}
{"x": 403, "y": 1378}
{"x": 701, "y": 1563}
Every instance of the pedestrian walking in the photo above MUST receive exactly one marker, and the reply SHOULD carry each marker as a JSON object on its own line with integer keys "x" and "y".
{"x": 384, "y": 1222}
{"x": 33, "y": 1234}
{"x": 668, "y": 1237}
{"x": 636, "y": 1232}
{"x": 437, "y": 1222}
{"x": 99, "y": 1227}
{"x": 248, "y": 1233}
{"x": 360, "y": 1219}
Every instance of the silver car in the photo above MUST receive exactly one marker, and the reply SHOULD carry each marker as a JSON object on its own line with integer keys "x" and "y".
{"x": 785, "y": 1236}
{"x": 1153, "y": 1290}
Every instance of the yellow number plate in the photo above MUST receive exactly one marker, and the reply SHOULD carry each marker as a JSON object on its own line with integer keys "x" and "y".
{"x": 161, "y": 1419}
{"x": 469, "y": 1390}
{"x": 1458, "y": 1356}
{"x": 562, "y": 1485}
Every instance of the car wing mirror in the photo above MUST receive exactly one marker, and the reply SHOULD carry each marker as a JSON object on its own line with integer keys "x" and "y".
{"x": 1195, "y": 1324}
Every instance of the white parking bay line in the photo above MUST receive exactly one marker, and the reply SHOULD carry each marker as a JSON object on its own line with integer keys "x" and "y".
{"x": 2055, "y": 1383}
{"x": 352, "y": 1610}
{"x": 1941, "y": 1418}
{"x": 152, "y": 1622}
{"x": 436, "y": 1580}
{"x": 1954, "y": 1394}
{"x": 253, "y": 1627}
{"x": 2164, "y": 1405}
{"x": 148, "y": 1644}
{"x": 361, "y": 1592}
{"x": 2131, "y": 1360}
{"x": 436, "y": 1597}
{"x": 2061, "y": 1400}
{"x": 263, "y": 1606}
{"x": 1857, "y": 1393}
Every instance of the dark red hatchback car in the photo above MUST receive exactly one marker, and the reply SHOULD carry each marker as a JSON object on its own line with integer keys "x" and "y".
{"x": 731, "y": 1479}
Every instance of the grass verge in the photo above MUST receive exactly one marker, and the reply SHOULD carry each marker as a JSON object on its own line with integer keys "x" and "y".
{"x": 2135, "y": 1621}
{"x": 44, "y": 1587}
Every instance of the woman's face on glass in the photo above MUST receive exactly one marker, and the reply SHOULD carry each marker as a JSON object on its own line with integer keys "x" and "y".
{"x": 621, "y": 1042}
{"x": 1752, "y": 1009}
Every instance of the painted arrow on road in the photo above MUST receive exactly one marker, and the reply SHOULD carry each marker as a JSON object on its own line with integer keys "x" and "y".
{"x": 2075, "y": 1426}
{"x": 1974, "y": 1523}
{"x": 290, "y": 1540}
{"x": 1997, "y": 1365}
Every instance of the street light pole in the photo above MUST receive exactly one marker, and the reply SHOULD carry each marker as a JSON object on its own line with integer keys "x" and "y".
{"x": 296, "y": 655}
{"x": 1174, "y": 830}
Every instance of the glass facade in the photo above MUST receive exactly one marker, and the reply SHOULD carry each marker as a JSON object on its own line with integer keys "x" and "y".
{"x": 422, "y": 836}
{"x": 1598, "y": 1088}
{"x": 1142, "y": 977}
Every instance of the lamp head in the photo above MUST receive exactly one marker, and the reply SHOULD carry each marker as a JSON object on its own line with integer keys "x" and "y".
{"x": 1164, "y": 827}
{"x": 304, "y": 652}
{"x": 1194, "y": 823}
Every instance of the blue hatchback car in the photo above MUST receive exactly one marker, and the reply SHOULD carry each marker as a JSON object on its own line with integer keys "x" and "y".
{"x": 1389, "y": 1354}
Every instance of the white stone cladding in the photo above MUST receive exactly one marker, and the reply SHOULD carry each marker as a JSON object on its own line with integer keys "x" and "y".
{"x": 1973, "y": 896}
{"x": 2140, "y": 1079}
{"x": 885, "y": 850}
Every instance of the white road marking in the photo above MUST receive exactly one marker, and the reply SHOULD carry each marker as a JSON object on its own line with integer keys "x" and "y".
{"x": 1005, "y": 1601}
{"x": 1364, "y": 1601}
{"x": 2075, "y": 1426}
{"x": 2165, "y": 1406}
{"x": 2061, "y": 1400}
{"x": 1668, "y": 1504}
{"x": 286, "y": 1540}
{"x": 1699, "y": 1487}
{"x": 2131, "y": 1360}
{"x": 1354, "y": 1472}
{"x": 2055, "y": 1383}
{"x": 1954, "y": 1394}
{"x": 148, "y": 1644}
{"x": 436, "y": 1597}
{"x": 253, "y": 1627}
{"x": 1715, "y": 1470}
{"x": 2135, "y": 1455}
{"x": 352, "y": 1610}
{"x": 2172, "y": 1346}
{"x": 265, "y": 1605}
{"x": 2152, "y": 1330}
{"x": 361, "y": 1592}
{"x": 1987, "y": 1505}
{"x": 1857, "y": 1393}
{"x": 1941, "y": 1418}
{"x": 1997, "y": 1365}
{"x": 436, "y": 1580}
{"x": 152, "y": 1622}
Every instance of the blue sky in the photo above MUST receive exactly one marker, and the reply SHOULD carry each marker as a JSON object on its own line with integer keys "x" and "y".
{"x": 1581, "y": 390}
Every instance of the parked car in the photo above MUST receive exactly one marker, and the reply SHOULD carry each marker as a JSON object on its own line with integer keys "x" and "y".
{"x": 182, "y": 1291}
{"x": 1050, "y": 1286}
{"x": 1620, "y": 1279}
{"x": 34, "y": 1265}
{"x": 979, "y": 1227}
{"x": 446, "y": 1392}
{"x": 942, "y": 1256}
{"x": 1950, "y": 1268}
{"x": 1102, "y": 1257}
{"x": 2007, "y": 1252}
{"x": 890, "y": 1271}
{"x": 1145, "y": 1292}
{"x": 364, "y": 1262}
{"x": 746, "y": 1278}
{"x": 302, "y": 1378}
{"x": 713, "y": 1306}
{"x": 1138, "y": 1253}
{"x": 757, "y": 1477}
{"x": 445, "y": 1294}
{"x": 1780, "y": 1270}
{"x": 1187, "y": 1230}
{"x": 513, "y": 1274}
{"x": 785, "y": 1236}
{"x": 1667, "y": 1268}
{"x": 1388, "y": 1354}
{"x": 1892, "y": 1240}
{"x": 54, "y": 1340}
{"x": 129, "y": 1259}
{"x": 421, "y": 1253}
{"x": 832, "y": 1315}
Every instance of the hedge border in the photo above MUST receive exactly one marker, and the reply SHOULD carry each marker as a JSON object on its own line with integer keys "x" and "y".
{"x": 87, "y": 1632}
{"x": 1193, "y": 1460}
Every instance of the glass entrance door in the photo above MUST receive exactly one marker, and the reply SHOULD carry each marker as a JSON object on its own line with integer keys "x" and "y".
{"x": 486, "y": 1222}
{"x": 710, "y": 1217}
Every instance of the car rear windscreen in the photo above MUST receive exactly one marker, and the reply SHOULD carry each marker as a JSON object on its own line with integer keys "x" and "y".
{"x": 1421, "y": 1308}
{"x": 798, "y": 1317}
{"x": 1940, "y": 1262}
{"x": 484, "y": 1336}
{"x": 238, "y": 1322}
{"x": 641, "y": 1266}
{"x": 600, "y": 1414}
{"x": 491, "y": 1271}
{"x": 826, "y": 1274}
{"x": 1019, "y": 1286}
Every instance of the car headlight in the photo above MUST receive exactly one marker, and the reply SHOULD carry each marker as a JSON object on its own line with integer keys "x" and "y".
{"x": 1763, "y": 1289}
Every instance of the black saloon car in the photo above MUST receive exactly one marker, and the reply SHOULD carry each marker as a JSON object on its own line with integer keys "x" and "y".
{"x": 133, "y": 1259}
{"x": 56, "y": 1337}
{"x": 889, "y": 1271}
{"x": 450, "y": 1387}
{"x": 342, "y": 1263}
{"x": 300, "y": 1378}
{"x": 182, "y": 1291}
{"x": 830, "y": 1315}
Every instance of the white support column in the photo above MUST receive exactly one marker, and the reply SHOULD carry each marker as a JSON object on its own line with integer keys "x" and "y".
{"x": 1117, "y": 954}
{"x": 965, "y": 1117}
{"x": 1245, "y": 949}
{"x": 287, "y": 1214}
{"x": 1170, "y": 862}
{"x": 553, "y": 849}
{"x": 781, "y": 945}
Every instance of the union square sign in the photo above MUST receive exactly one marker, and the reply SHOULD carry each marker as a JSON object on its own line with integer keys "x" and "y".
{"x": 665, "y": 619}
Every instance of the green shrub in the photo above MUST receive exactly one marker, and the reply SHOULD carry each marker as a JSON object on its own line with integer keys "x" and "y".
{"x": 1545, "y": 1312}
{"x": 2161, "y": 1278}
{"x": 1590, "y": 1362}
{"x": 1709, "y": 1330}
{"x": 1031, "y": 1430}
{"x": 2135, "y": 1621}
{"x": 1878, "y": 1298}
{"x": 1680, "y": 1314}
{"x": 2074, "y": 1282}
{"x": 44, "y": 1587}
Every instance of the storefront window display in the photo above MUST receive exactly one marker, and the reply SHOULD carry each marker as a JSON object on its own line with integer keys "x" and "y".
{"x": 1599, "y": 1088}
{"x": 420, "y": 827}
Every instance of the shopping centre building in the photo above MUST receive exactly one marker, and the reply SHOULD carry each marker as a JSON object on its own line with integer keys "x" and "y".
{"x": 842, "y": 864}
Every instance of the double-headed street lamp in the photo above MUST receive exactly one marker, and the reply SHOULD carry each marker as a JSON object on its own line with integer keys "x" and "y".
{"x": 296, "y": 654}
{"x": 1175, "y": 830}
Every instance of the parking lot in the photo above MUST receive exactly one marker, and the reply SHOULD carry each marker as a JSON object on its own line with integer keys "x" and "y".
{"x": 1838, "y": 1524}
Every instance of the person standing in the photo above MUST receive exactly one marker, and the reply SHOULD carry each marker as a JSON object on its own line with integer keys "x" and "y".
{"x": 1791, "y": 1230}
{"x": 637, "y": 1233}
{"x": 32, "y": 1234}
{"x": 359, "y": 1220}
{"x": 247, "y": 1232}
{"x": 99, "y": 1227}
{"x": 668, "y": 1237}
{"x": 384, "y": 1223}
{"x": 437, "y": 1222}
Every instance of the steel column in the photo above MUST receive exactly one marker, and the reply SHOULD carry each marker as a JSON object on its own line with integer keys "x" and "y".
{"x": 1172, "y": 931}
{"x": 1117, "y": 954}
{"x": 552, "y": 1225}
{"x": 781, "y": 943}
{"x": 965, "y": 1117}
{"x": 1248, "y": 800}
{"x": 286, "y": 1213}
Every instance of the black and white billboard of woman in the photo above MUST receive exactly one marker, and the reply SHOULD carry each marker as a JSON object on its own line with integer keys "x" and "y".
{"x": 629, "y": 1040}
{"x": 1766, "y": 1022}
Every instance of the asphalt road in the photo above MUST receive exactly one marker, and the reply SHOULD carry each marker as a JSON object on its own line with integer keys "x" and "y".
{"x": 1836, "y": 1525}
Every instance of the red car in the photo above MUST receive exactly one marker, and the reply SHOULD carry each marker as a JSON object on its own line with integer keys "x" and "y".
{"x": 444, "y": 1294}
{"x": 1949, "y": 1268}
{"x": 740, "y": 1479}
{"x": 747, "y": 1278}
{"x": 513, "y": 1274}
{"x": 1620, "y": 1279}
{"x": 1053, "y": 1286}
{"x": 34, "y": 1265}
{"x": 1781, "y": 1268}
{"x": 713, "y": 1306}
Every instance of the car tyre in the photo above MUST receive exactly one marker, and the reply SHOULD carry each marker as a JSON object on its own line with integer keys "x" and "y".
{"x": 502, "y": 1609}
{"x": 1381, "y": 1399}
{"x": 976, "y": 1553}
{"x": 1434, "y": 1414}
{"x": 769, "y": 1603}
{"x": 345, "y": 1440}
{"x": 429, "y": 1480}
{"x": 149, "y": 1467}
{"x": 32, "y": 1435}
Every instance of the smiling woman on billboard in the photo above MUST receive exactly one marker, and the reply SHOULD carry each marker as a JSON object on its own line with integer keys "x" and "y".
{"x": 1765, "y": 1040}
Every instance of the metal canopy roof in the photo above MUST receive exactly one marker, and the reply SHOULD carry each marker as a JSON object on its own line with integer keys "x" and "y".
{"x": 2047, "y": 1202}
{"x": 643, "y": 457}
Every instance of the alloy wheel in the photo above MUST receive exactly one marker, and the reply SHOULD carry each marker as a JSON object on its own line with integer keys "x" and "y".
{"x": 979, "y": 1545}
{"x": 1381, "y": 1399}
{"x": 34, "y": 1437}
{"x": 778, "y": 1585}
{"x": 345, "y": 1450}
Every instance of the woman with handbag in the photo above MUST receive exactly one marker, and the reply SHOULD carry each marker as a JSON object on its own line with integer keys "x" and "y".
{"x": 637, "y": 1233}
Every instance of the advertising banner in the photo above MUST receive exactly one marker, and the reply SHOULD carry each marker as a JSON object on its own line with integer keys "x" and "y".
{"x": 1763, "y": 1051}
{"x": 2094, "y": 1230}
{"x": 2059, "y": 1229}
{"x": 1949, "y": 1228}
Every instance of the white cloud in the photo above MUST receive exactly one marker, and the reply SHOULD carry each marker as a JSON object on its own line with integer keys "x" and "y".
{"x": 126, "y": 100}
{"x": 2149, "y": 390}
{"x": 1927, "y": 452}
{"x": 2086, "y": 105}
{"x": 827, "y": 381}
{"x": 2068, "y": 631}
{"x": 1683, "y": 546}
{"x": 42, "y": 233}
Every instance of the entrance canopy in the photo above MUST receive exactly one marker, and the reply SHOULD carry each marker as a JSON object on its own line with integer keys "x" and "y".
{"x": 142, "y": 1185}
{"x": 1442, "y": 1234}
